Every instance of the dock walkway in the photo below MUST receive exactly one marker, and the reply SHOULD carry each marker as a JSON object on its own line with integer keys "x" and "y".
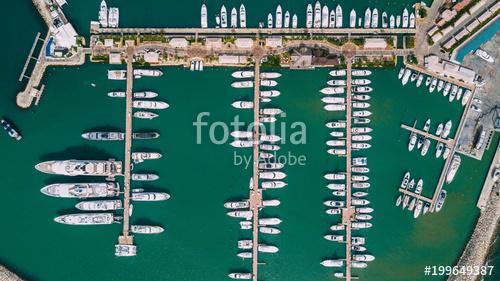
{"x": 440, "y": 77}
{"x": 488, "y": 182}
{"x": 449, "y": 142}
{"x": 126, "y": 238}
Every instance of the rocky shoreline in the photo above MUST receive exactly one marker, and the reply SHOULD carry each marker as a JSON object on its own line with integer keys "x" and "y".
{"x": 477, "y": 249}
{"x": 6, "y": 275}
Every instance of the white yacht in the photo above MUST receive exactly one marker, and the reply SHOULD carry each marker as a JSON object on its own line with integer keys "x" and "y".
{"x": 332, "y": 90}
{"x": 317, "y": 15}
{"x": 82, "y": 190}
{"x": 361, "y": 113}
{"x": 242, "y": 143}
{"x": 332, "y": 263}
{"x": 447, "y": 89}
{"x": 398, "y": 21}
{"x": 484, "y": 55}
{"x": 243, "y": 74}
{"x": 242, "y": 84}
{"x": 392, "y": 22}
{"x": 87, "y": 219}
{"x": 270, "y": 111}
{"x": 294, "y": 21}
{"x": 331, "y": 24}
{"x": 286, "y": 24}
{"x": 144, "y": 177}
{"x": 240, "y": 214}
{"x": 204, "y": 22}
{"x": 447, "y": 129}
{"x": 240, "y": 276}
{"x": 338, "y": 16}
{"x": 335, "y": 107}
{"x": 335, "y": 238}
{"x": 455, "y": 164}
{"x": 412, "y": 20}
{"x": 122, "y": 250}
{"x": 405, "y": 18}
{"x": 272, "y": 175}
{"x": 335, "y": 73}
{"x": 425, "y": 147}
{"x": 363, "y": 258}
{"x": 103, "y": 14}
{"x": 309, "y": 16}
{"x": 360, "y": 105}
{"x": 100, "y": 205}
{"x": 117, "y": 74}
{"x": 384, "y": 20}
{"x": 459, "y": 94}
{"x": 141, "y": 156}
{"x": 223, "y": 17}
{"x": 361, "y": 82}
{"x": 273, "y": 184}
{"x": 375, "y": 18}
{"x": 336, "y": 124}
{"x": 368, "y": 18}
{"x": 352, "y": 19}
{"x": 242, "y": 104}
{"x": 324, "y": 17}
{"x": 433, "y": 85}
{"x": 269, "y": 75}
{"x": 237, "y": 205}
{"x": 138, "y": 73}
{"x": 420, "y": 79}
{"x": 279, "y": 17}
{"x": 440, "y": 85}
{"x": 412, "y": 142}
{"x": 150, "y": 196}
{"x": 268, "y": 83}
{"x": 361, "y": 72}
{"x": 453, "y": 94}
{"x": 362, "y": 89}
{"x": 81, "y": 167}
{"x": 242, "y": 134}
{"x": 234, "y": 18}
{"x": 339, "y": 143}
{"x": 466, "y": 97}
{"x": 269, "y": 230}
{"x": 406, "y": 76}
{"x": 243, "y": 16}
{"x": 440, "y": 200}
{"x": 337, "y": 82}
{"x": 269, "y": 221}
{"x": 113, "y": 17}
{"x": 144, "y": 104}
{"x": 330, "y": 99}
{"x": 146, "y": 229}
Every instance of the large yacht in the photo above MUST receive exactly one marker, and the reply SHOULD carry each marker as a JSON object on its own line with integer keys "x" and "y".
{"x": 352, "y": 19}
{"x": 375, "y": 18}
{"x": 455, "y": 164}
{"x": 368, "y": 18}
{"x": 405, "y": 18}
{"x": 338, "y": 16}
{"x": 104, "y": 136}
{"x": 146, "y": 104}
{"x": 223, "y": 16}
{"x": 325, "y": 20}
{"x": 103, "y": 14}
{"x": 243, "y": 16}
{"x": 146, "y": 229}
{"x": 240, "y": 276}
{"x": 81, "y": 167}
{"x": 82, "y": 190}
{"x": 484, "y": 55}
{"x": 150, "y": 196}
{"x": 279, "y": 17}
{"x": 88, "y": 219}
{"x": 100, "y": 205}
{"x": 331, "y": 24}
{"x": 294, "y": 21}
{"x": 317, "y": 15}
{"x": 309, "y": 16}
{"x": 117, "y": 74}
{"x": 138, "y": 73}
{"x": 234, "y": 18}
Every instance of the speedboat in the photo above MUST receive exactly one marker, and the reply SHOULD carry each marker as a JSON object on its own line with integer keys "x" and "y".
{"x": 453, "y": 94}
{"x": 146, "y": 229}
{"x": 440, "y": 85}
{"x": 412, "y": 21}
{"x": 324, "y": 17}
{"x": 317, "y": 15}
{"x": 484, "y": 55}
{"x": 405, "y": 18}
{"x": 204, "y": 23}
{"x": 279, "y": 17}
{"x": 439, "y": 149}
{"x": 447, "y": 89}
{"x": 406, "y": 76}
{"x": 375, "y": 18}
{"x": 412, "y": 142}
{"x": 309, "y": 16}
{"x": 150, "y": 196}
{"x": 420, "y": 79}
{"x": 223, "y": 16}
{"x": 243, "y": 16}
{"x": 338, "y": 16}
{"x": 352, "y": 19}
{"x": 11, "y": 131}
{"x": 368, "y": 17}
{"x": 88, "y": 219}
{"x": 433, "y": 85}
{"x": 384, "y": 20}
{"x": 269, "y": 20}
{"x": 440, "y": 200}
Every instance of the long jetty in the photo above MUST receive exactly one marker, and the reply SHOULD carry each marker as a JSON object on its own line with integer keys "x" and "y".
{"x": 126, "y": 238}
{"x": 256, "y": 193}
{"x": 255, "y": 31}
{"x": 449, "y": 142}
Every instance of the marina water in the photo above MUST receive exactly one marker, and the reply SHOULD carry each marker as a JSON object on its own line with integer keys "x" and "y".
{"x": 199, "y": 242}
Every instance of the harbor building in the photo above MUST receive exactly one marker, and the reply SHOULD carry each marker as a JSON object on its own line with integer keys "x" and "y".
{"x": 448, "y": 68}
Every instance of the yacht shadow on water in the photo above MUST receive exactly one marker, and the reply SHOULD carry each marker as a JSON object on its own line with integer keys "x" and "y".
{"x": 80, "y": 152}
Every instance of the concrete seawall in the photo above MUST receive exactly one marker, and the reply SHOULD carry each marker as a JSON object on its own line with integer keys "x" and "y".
{"x": 6, "y": 275}
{"x": 476, "y": 251}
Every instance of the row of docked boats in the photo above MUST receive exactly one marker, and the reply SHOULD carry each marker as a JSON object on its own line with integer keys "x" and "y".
{"x": 270, "y": 172}
{"x": 410, "y": 200}
{"x": 423, "y": 143}
{"x": 224, "y": 20}
{"x": 356, "y": 187}
{"x": 108, "y": 17}
{"x": 452, "y": 91}
{"x": 138, "y": 73}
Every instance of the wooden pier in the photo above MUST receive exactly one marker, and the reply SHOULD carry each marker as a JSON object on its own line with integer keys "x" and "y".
{"x": 126, "y": 238}
{"x": 413, "y": 194}
{"x": 255, "y": 32}
{"x": 348, "y": 211}
{"x": 256, "y": 192}
{"x": 448, "y": 142}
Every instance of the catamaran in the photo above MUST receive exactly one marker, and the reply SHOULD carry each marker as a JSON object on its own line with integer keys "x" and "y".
{"x": 352, "y": 19}
{"x": 338, "y": 16}
{"x": 204, "y": 23}
{"x": 279, "y": 17}
{"x": 375, "y": 18}
{"x": 243, "y": 16}
{"x": 309, "y": 16}
{"x": 324, "y": 17}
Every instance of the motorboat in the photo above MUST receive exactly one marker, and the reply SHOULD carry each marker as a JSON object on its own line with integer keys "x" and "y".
{"x": 11, "y": 130}
{"x": 337, "y": 151}
{"x": 361, "y": 97}
{"x": 317, "y": 15}
{"x": 337, "y": 227}
{"x": 335, "y": 204}
{"x": 361, "y": 72}
{"x": 146, "y": 229}
{"x": 484, "y": 55}
{"x": 331, "y": 24}
{"x": 242, "y": 104}
{"x": 138, "y": 73}
{"x": 272, "y": 175}
{"x": 361, "y": 137}
{"x": 271, "y": 166}
{"x": 294, "y": 21}
{"x": 339, "y": 193}
{"x": 270, "y": 111}
{"x": 99, "y": 205}
{"x": 439, "y": 149}
{"x": 223, "y": 17}
{"x": 352, "y": 19}
{"x": 335, "y": 100}
{"x": 392, "y": 22}
{"x": 384, "y": 20}
{"x": 150, "y": 196}
{"x": 356, "y": 240}
{"x": 336, "y": 73}
{"x": 269, "y": 75}
{"x": 325, "y": 20}
{"x": 363, "y": 258}
{"x": 368, "y": 17}
{"x": 334, "y": 238}
{"x": 269, "y": 147}
{"x": 334, "y": 176}
{"x": 117, "y": 74}
{"x": 204, "y": 23}
{"x": 269, "y": 230}
{"x": 439, "y": 129}
{"x": 428, "y": 81}
{"x": 412, "y": 142}
{"x": 243, "y": 74}
{"x": 425, "y": 147}
{"x": 269, "y": 221}
{"x": 446, "y": 130}
{"x": 418, "y": 209}
{"x": 374, "y": 18}
{"x": 242, "y": 143}
{"x": 405, "y": 18}
{"x": 405, "y": 181}
{"x": 361, "y": 82}
{"x": 446, "y": 152}
{"x": 279, "y": 17}
{"x": 333, "y": 211}
{"x": 335, "y": 107}
{"x": 359, "y": 161}
{"x": 269, "y": 20}
{"x": 268, "y": 83}
{"x": 103, "y": 14}
{"x": 360, "y": 185}
{"x": 144, "y": 177}
{"x": 358, "y": 248}
{"x": 234, "y": 18}
{"x": 336, "y": 143}
{"x": 362, "y": 170}
{"x": 332, "y": 90}
{"x": 145, "y": 115}
{"x": 406, "y": 76}
{"x": 447, "y": 89}
{"x": 466, "y": 97}
{"x": 361, "y": 130}
{"x": 459, "y": 93}
{"x": 440, "y": 200}
{"x": 427, "y": 125}
{"x": 440, "y": 85}
{"x": 309, "y": 16}
{"x": 401, "y": 73}
{"x": 360, "y": 105}
{"x": 240, "y": 214}
{"x": 412, "y": 21}
{"x": 336, "y": 186}
{"x": 337, "y": 82}
{"x": 433, "y": 85}
{"x": 273, "y": 184}
{"x": 453, "y": 94}
{"x": 336, "y": 124}
{"x": 82, "y": 190}
{"x": 243, "y": 16}
{"x": 88, "y": 219}
{"x": 125, "y": 250}
{"x": 338, "y": 16}
{"x": 360, "y": 194}
{"x": 361, "y": 113}
{"x": 420, "y": 79}
{"x": 286, "y": 23}
{"x": 237, "y": 205}
{"x": 361, "y": 120}
{"x": 332, "y": 263}
{"x": 240, "y": 276}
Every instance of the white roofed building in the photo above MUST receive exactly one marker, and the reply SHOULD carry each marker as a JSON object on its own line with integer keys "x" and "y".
{"x": 244, "y": 43}
{"x": 65, "y": 36}
{"x": 375, "y": 43}
{"x": 213, "y": 42}
{"x": 178, "y": 42}
{"x": 274, "y": 41}
{"x": 449, "y": 69}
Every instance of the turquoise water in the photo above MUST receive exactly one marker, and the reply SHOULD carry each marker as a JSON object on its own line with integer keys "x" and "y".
{"x": 480, "y": 38}
{"x": 200, "y": 239}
